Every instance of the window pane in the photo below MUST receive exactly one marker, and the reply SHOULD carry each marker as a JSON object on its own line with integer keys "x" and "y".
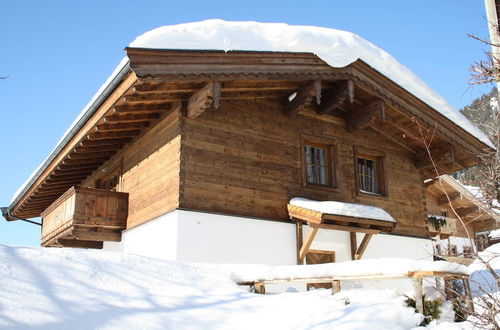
{"x": 316, "y": 164}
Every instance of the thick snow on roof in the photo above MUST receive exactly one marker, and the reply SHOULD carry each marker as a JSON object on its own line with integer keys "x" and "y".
{"x": 337, "y": 48}
{"x": 345, "y": 209}
{"x": 494, "y": 234}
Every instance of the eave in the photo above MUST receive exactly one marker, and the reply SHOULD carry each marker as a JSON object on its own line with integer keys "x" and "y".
{"x": 156, "y": 81}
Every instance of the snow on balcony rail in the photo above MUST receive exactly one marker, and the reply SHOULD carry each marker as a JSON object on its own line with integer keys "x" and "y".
{"x": 369, "y": 269}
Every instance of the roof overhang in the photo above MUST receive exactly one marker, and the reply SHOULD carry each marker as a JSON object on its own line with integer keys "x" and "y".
{"x": 154, "y": 82}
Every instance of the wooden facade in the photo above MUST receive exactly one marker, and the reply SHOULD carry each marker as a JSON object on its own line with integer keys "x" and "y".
{"x": 225, "y": 132}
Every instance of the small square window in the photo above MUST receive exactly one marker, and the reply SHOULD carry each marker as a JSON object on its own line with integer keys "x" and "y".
{"x": 444, "y": 214}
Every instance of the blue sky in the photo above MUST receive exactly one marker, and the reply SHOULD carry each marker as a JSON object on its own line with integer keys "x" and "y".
{"x": 58, "y": 53}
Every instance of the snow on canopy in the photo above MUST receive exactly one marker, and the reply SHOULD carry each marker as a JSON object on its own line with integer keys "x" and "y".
{"x": 337, "y": 48}
{"x": 344, "y": 209}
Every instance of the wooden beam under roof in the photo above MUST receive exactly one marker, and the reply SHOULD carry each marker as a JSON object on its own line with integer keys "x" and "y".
{"x": 304, "y": 97}
{"x": 361, "y": 117}
{"x": 112, "y": 135}
{"x": 467, "y": 211}
{"x": 131, "y": 117}
{"x": 438, "y": 152}
{"x": 93, "y": 155}
{"x": 98, "y": 148}
{"x": 204, "y": 99}
{"x": 336, "y": 96}
{"x": 143, "y": 101}
{"x": 141, "y": 107}
{"x": 449, "y": 198}
{"x": 84, "y": 166}
{"x": 122, "y": 126}
{"x": 87, "y": 161}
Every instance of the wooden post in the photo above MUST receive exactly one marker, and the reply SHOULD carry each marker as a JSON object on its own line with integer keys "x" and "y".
{"x": 335, "y": 287}
{"x": 362, "y": 246}
{"x": 307, "y": 244}
{"x": 260, "y": 288}
{"x": 354, "y": 245}
{"x": 468, "y": 296}
{"x": 419, "y": 295}
{"x": 299, "y": 239}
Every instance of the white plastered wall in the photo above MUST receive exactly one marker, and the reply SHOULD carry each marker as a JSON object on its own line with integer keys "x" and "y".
{"x": 207, "y": 237}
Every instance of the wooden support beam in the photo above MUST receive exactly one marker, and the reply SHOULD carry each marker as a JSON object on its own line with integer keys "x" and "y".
{"x": 204, "y": 99}
{"x": 354, "y": 244}
{"x": 152, "y": 99}
{"x": 86, "y": 161}
{"x": 362, "y": 247}
{"x": 307, "y": 244}
{"x": 361, "y": 117}
{"x": 419, "y": 295}
{"x": 95, "y": 235}
{"x": 142, "y": 107}
{"x": 400, "y": 141}
{"x": 131, "y": 117}
{"x": 85, "y": 166}
{"x": 299, "y": 238}
{"x": 74, "y": 243}
{"x": 122, "y": 126}
{"x": 260, "y": 288}
{"x": 102, "y": 143}
{"x": 468, "y": 295}
{"x": 304, "y": 97}
{"x": 112, "y": 135}
{"x": 453, "y": 196}
{"x": 335, "y": 287}
{"x": 438, "y": 152}
{"x": 335, "y": 97}
{"x": 105, "y": 148}
{"x": 466, "y": 211}
{"x": 92, "y": 155}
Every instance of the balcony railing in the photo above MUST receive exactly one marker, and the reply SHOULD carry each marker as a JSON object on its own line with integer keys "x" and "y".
{"x": 84, "y": 217}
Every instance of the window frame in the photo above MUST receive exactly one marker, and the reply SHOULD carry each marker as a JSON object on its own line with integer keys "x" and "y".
{"x": 331, "y": 148}
{"x": 115, "y": 171}
{"x": 378, "y": 159}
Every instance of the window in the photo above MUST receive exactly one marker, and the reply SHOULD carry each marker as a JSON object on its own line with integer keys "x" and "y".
{"x": 110, "y": 181}
{"x": 369, "y": 173}
{"x": 444, "y": 214}
{"x": 318, "y": 164}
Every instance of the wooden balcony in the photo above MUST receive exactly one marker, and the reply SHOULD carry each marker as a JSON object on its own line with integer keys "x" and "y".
{"x": 84, "y": 217}
{"x": 445, "y": 230}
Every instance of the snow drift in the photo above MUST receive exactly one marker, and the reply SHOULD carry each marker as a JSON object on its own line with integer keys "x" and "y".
{"x": 82, "y": 289}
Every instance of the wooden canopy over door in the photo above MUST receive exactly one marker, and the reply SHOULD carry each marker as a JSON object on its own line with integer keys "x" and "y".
{"x": 320, "y": 220}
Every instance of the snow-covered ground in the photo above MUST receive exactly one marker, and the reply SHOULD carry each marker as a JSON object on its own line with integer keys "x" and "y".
{"x": 82, "y": 289}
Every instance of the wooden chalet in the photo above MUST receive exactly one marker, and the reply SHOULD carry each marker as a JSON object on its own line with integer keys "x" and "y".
{"x": 240, "y": 133}
{"x": 459, "y": 217}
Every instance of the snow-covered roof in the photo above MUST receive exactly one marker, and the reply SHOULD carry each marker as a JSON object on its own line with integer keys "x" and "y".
{"x": 337, "y": 48}
{"x": 494, "y": 234}
{"x": 343, "y": 209}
